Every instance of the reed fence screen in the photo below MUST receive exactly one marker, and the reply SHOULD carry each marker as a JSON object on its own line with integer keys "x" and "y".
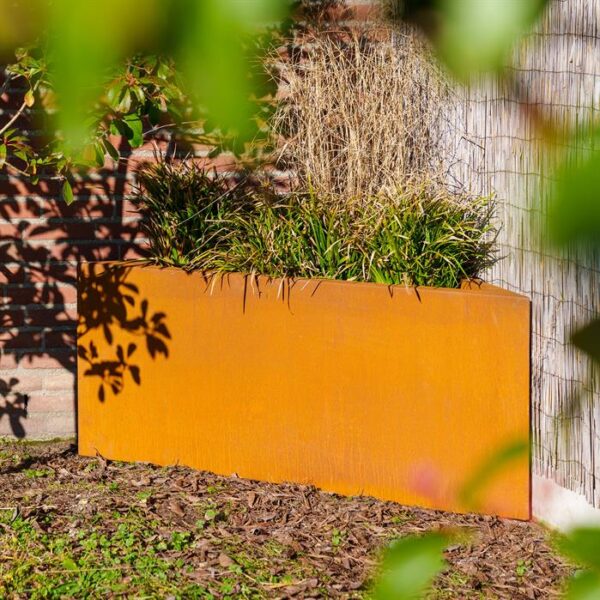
{"x": 493, "y": 145}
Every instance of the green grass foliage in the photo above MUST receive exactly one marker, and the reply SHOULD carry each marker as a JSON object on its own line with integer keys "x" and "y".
{"x": 415, "y": 236}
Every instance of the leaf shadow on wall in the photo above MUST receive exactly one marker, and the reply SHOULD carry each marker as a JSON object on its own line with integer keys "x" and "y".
{"x": 112, "y": 304}
{"x": 14, "y": 405}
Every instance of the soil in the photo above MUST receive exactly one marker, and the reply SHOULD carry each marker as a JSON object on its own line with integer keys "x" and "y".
{"x": 81, "y": 527}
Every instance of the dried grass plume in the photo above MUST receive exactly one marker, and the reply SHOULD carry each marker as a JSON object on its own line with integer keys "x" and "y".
{"x": 361, "y": 113}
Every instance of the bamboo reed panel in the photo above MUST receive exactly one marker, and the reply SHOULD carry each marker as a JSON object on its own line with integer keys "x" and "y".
{"x": 491, "y": 146}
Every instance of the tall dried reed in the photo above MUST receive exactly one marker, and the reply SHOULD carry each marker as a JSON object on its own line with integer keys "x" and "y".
{"x": 360, "y": 113}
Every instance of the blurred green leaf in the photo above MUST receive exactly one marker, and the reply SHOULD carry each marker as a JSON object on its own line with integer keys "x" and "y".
{"x": 215, "y": 59}
{"x": 67, "y": 192}
{"x": 410, "y": 566}
{"x": 80, "y": 59}
{"x": 584, "y": 586}
{"x": 583, "y": 544}
{"x": 20, "y": 22}
{"x": 588, "y": 339}
{"x": 69, "y": 564}
{"x": 500, "y": 460}
{"x": 2, "y": 155}
{"x": 574, "y": 214}
{"x": 477, "y": 35}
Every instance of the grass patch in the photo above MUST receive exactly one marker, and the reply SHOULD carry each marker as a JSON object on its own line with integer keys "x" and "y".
{"x": 96, "y": 562}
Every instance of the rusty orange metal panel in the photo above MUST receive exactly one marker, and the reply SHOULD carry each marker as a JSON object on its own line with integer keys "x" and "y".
{"x": 357, "y": 388}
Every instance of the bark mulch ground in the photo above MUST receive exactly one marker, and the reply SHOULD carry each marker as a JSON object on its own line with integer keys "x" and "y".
{"x": 89, "y": 528}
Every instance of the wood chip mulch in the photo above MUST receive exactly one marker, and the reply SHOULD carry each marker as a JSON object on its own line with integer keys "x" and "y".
{"x": 330, "y": 544}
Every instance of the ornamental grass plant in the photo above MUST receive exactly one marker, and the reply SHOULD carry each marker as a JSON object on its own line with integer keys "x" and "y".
{"x": 361, "y": 111}
{"x": 413, "y": 235}
{"x": 184, "y": 209}
{"x": 360, "y": 125}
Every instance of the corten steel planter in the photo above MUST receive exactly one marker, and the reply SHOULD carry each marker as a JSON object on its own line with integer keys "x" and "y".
{"x": 357, "y": 388}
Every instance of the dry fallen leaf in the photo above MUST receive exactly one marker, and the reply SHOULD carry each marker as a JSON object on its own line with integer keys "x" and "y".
{"x": 225, "y": 561}
{"x": 177, "y": 508}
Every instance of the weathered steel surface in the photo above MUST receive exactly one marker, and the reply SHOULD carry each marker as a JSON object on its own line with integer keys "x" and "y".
{"x": 356, "y": 388}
